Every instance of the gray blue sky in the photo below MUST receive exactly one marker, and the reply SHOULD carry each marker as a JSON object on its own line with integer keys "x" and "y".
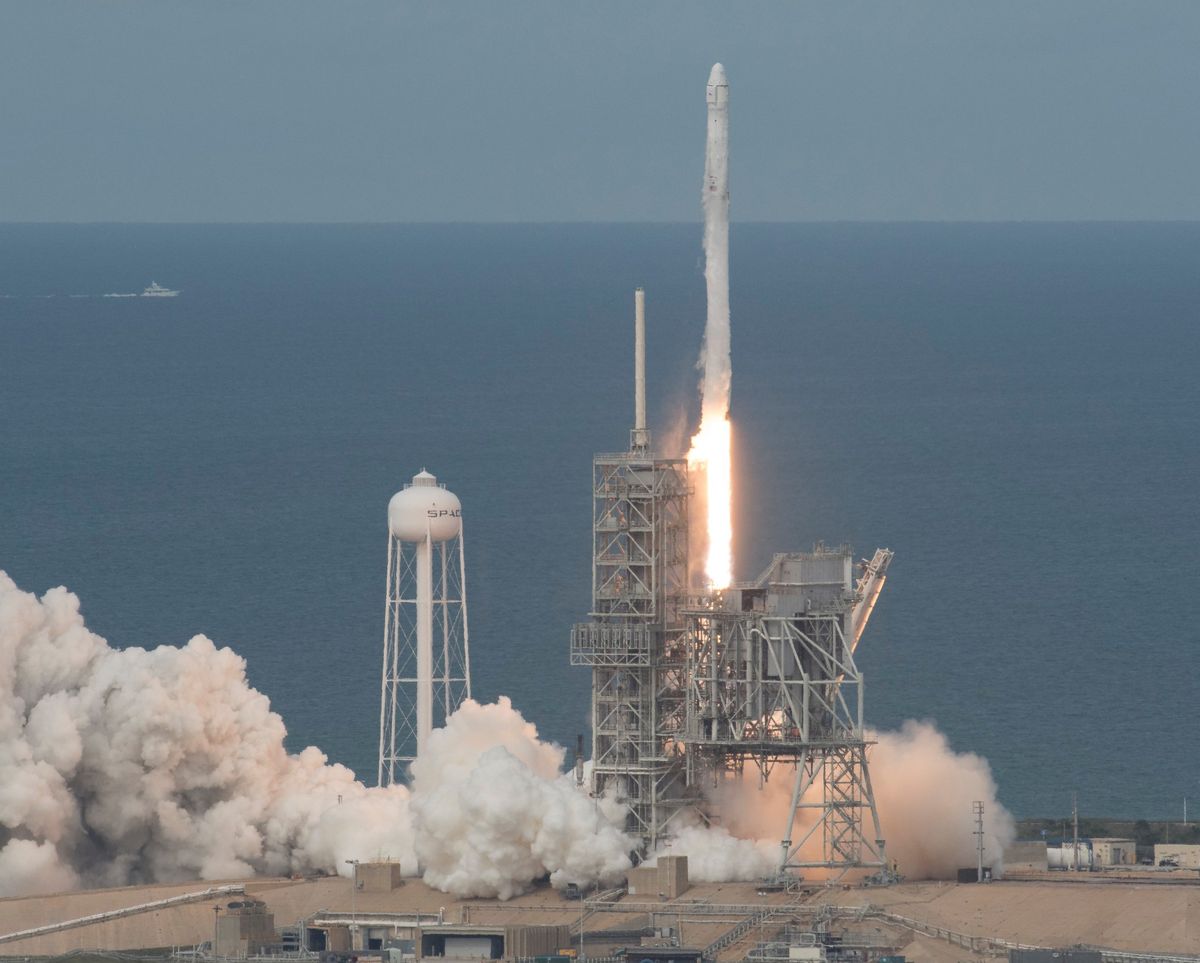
{"x": 557, "y": 110}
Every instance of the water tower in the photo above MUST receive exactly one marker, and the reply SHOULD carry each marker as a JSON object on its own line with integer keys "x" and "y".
{"x": 426, "y": 655}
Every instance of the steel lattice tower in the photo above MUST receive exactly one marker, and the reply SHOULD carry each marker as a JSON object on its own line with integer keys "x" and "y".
{"x": 634, "y": 642}
{"x": 687, "y": 689}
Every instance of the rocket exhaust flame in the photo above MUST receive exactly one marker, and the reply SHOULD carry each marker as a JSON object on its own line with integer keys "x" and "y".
{"x": 711, "y": 453}
{"x": 711, "y": 449}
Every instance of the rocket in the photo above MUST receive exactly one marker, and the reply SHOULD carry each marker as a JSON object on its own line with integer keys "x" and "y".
{"x": 712, "y": 446}
{"x": 717, "y": 370}
{"x": 716, "y": 153}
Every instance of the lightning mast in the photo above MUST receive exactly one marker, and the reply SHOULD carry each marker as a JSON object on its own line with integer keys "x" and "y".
{"x": 633, "y": 642}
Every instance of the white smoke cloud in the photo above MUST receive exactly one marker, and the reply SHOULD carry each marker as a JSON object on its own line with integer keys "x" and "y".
{"x": 923, "y": 792}
{"x": 493, "y": 812}
{"x": 132, "y": 765}
{"x": 715, "y": 855}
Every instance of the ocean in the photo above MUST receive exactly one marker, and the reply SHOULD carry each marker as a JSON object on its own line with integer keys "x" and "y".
{"x": 1014, "y": 409}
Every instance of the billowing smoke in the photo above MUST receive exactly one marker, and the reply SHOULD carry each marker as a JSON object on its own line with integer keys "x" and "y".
{"x": 492, "y": 811}
{"x": 715, "y": 855}
{"x": 923, "y": 791}
{"x": 127, "y": 765}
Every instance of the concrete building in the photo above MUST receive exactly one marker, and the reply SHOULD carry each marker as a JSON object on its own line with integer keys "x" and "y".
{"x": 467, "y": 942}
{"x": 1097, "y": 910}
{"x": 1186, "y": 855}
{"x": 243, "y": 928}
{"x": 322, "y": 937}
{"x": 378, "y": 876}
{"x": 1110, "y": 851}
{"x": 668, "y": 878}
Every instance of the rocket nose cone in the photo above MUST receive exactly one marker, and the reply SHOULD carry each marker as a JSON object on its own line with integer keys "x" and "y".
{"x": 717, "y": 77}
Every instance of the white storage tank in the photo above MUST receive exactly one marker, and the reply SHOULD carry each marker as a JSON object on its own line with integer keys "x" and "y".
{"x": 1066, "y": 857}
{"x": 424, "y": 508}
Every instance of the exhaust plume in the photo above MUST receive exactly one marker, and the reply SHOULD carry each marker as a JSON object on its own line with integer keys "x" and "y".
{"x": 923, "y": 791}
{"x": 135, "y": 766}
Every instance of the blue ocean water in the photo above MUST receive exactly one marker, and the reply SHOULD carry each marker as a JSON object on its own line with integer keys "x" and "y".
{"x": 1014, "y": 409}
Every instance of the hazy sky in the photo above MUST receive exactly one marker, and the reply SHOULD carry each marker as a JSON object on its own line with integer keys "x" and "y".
{"x": 512, "y": 110}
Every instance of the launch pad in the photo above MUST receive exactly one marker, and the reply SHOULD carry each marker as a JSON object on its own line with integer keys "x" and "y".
{"x": 692, "y": 687}
{"x": 696, "y": 678}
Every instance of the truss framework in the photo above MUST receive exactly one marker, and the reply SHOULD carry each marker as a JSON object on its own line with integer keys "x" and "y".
{"x": 451, "y": 667}
{"x": 634, "y": 642}
{"x": 772, "y": 681}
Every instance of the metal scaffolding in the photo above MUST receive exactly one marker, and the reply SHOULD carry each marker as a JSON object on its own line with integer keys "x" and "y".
{"x": 687, "y": 689}
{"x": 634, "y": 641}
{"x": 772, "y": 682}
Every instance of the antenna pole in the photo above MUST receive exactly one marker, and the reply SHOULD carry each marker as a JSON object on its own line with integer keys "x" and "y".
{"x": 977, "y": 807}
{"x": 1075, "y": 824}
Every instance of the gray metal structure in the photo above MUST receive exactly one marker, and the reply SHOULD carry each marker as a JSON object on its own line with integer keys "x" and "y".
{"x": 686, "y": 689}
{"x": 634, "y": 641}
{"x": 772, "y": 682}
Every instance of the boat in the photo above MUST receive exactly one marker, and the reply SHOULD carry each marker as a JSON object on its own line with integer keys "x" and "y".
{"x": 156, "y": 290}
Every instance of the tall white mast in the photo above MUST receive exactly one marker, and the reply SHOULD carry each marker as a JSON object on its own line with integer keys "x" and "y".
{"x": 640, "y": 439}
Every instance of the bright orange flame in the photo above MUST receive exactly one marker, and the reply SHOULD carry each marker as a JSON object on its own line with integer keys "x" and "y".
{"x": 712, "y": 450}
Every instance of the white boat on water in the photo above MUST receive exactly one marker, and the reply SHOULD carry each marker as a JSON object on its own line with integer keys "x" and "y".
{"x": 156, "y": 290}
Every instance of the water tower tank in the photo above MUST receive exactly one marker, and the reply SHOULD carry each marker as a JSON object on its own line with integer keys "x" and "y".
{"x": 422, "y": 507}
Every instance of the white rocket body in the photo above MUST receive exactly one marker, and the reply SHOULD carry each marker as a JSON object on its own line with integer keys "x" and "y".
{"x": 716, "y": 247}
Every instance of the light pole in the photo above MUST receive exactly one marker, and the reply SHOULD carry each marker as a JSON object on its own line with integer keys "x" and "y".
{"x": 977, "y": 809}
{"x": 353, "y": 904}
{"x": 216, "y": 916}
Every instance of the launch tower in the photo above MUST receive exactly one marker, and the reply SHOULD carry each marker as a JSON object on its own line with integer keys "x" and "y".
{"x": 687, "y": 691}
{"x": 634, "y": 641}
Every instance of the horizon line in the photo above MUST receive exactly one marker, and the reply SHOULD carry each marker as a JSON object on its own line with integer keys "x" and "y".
{"x": 596, "y": 223}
